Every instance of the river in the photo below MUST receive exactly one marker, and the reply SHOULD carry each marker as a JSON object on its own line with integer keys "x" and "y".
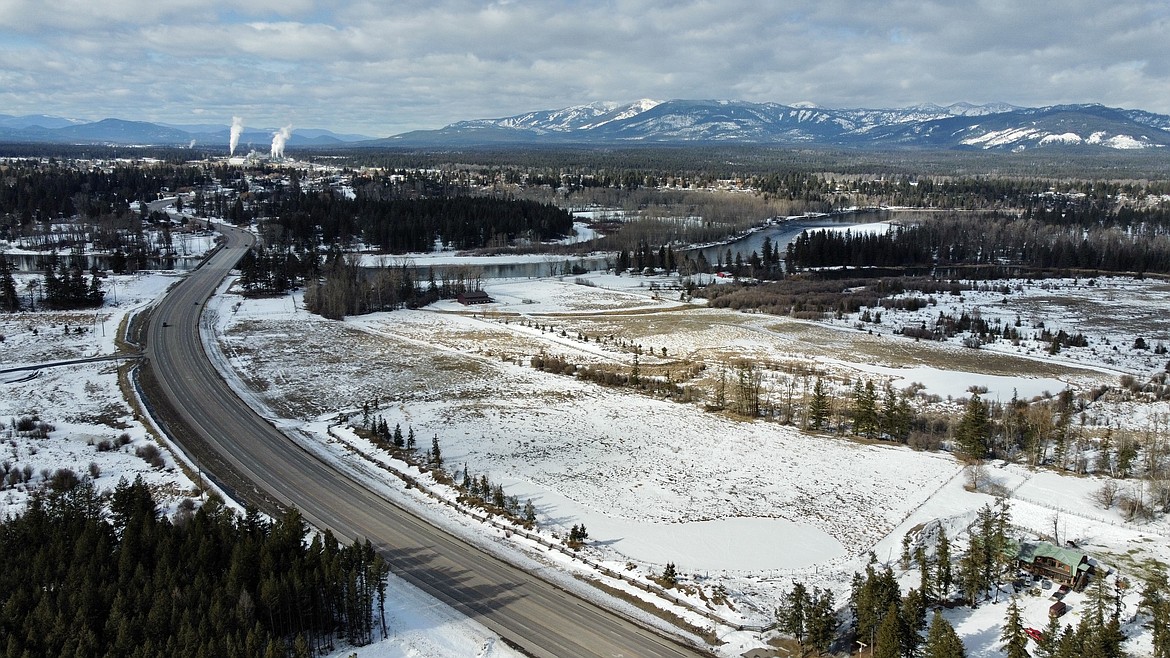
{"x": 785, "y": 231}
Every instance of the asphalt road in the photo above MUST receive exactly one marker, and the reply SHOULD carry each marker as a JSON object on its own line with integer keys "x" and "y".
{"x": 530, "y": 613}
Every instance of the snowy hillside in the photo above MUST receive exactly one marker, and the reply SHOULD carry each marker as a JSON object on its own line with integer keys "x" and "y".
{"x": 995, "y": 126}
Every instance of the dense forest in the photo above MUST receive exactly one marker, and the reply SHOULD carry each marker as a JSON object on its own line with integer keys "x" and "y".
{"x": 79, "y": 582}
{"x": 36, "y": 192}
{"x": 413, "y": 225}
{"x": 1128, "y": 241}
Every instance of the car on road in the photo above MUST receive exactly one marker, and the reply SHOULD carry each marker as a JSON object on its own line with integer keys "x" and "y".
{"x": 1035, "y": 634}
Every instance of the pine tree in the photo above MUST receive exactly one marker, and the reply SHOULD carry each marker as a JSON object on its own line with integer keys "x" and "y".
{"x": 914, "y": 619}
{"x": 891, "y": 635}
{"x": 942, "y": 641}
{"x": 973, "y": 434}
{"x": 865, "y": 415}
{"x": 1049, "y": 638}
{"x": 1014, "y": 642}
{"x": 925, "y": 578}
{"x": 871, "y": 597}
{"x": 9, "y": 298}
{"x": 669, "y": 575}
{"x": 821, "y": 625}
{"x": 971, "y": 570}
{"x": 818, "y": 406}
{"x": 792, "y": 615}
{"x": 943, "y": 569}
{"x": 895, "y": 415}
{"x": 1155, "y": 603}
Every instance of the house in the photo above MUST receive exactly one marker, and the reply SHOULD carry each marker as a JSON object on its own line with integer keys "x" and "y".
{"x": 474, "y": 297}
{"x": 1067, "y": 566}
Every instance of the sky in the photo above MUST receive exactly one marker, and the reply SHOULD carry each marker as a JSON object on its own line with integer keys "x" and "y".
{"x": 381, "y": 68}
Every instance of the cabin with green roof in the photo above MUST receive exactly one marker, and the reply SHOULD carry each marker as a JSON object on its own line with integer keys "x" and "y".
{"x": 1067, "y": 566}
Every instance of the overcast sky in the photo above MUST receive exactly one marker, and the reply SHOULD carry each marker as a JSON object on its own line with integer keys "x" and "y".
{"x": 382, "y": 68}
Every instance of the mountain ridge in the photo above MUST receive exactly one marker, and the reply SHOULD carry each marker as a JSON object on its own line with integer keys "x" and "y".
{"x": 958, "y": 126}
{"x": 993, "y": 126}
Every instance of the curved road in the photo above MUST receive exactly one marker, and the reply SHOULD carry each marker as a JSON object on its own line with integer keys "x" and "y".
{"x": 530, "y": 613}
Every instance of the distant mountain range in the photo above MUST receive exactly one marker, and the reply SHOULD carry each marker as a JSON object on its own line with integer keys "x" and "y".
{"x": 960, "y": 126}
{"x": 60, "y": 130}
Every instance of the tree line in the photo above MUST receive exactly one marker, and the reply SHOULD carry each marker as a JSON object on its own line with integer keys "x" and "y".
{"x": 80, "y": 582}
{"x": 36, "y": 191}
{"x": 1142, "y": 244}
{"x": 416, "y": 225}
{"x": 62, "y": 287}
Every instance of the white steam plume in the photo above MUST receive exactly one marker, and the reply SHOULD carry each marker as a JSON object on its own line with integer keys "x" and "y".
{"x": 237, "y": 130}
{"x": 278, "y": 139}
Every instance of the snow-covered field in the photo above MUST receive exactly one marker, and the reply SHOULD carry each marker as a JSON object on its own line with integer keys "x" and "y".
{"x": 83, "y": 402}
{"x": 745, "y": 506}
{"x": 742, "y": 507}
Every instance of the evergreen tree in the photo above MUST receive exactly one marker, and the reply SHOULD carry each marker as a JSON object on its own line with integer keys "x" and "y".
{"x": 9, "y": 298}
{"x": 669, "y": 575}
{"x": 913, "y": 619}
{"x": 1154, "y": 602}
{"x": 792, "y": 615}
{"x": 973, "y": 433}
{"x": 1013, "y": 640}
{"x": 821, "y": 624}
{"x": 926, "y": 583}
{"x": 896, "y": 415}
{"x": 1049, "y": 638}
{"x": 943, "y": 569}
{"x": 872, "y": 596}
{"x": 866, "y": 421}
{"x": 818, "y": 406}
{"x": 891, "y": 635}
{"x": 942, "y": 641}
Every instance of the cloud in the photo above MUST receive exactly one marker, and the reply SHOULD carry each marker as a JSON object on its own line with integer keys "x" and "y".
{"x": 382, "y": 69}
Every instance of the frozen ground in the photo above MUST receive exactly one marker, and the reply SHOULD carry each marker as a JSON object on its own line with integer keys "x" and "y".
{"x": 83, "y": 402}
{"x": 744, "y": 507}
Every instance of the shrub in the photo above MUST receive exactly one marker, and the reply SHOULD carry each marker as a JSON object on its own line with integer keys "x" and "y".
{"x": 151, "y": 455}
{"x": 26, "y": 423}
{"x": 64, "y": 479}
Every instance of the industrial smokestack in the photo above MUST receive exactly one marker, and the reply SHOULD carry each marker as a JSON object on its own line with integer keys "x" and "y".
{"x": 278, "y": 139}
{"x": 237, "y": 130}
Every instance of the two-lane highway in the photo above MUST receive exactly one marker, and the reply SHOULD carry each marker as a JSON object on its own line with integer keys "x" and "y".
{"x": 529, "y": 612}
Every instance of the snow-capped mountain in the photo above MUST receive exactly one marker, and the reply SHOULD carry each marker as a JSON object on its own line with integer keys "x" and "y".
{"x": 996, "y": 126}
